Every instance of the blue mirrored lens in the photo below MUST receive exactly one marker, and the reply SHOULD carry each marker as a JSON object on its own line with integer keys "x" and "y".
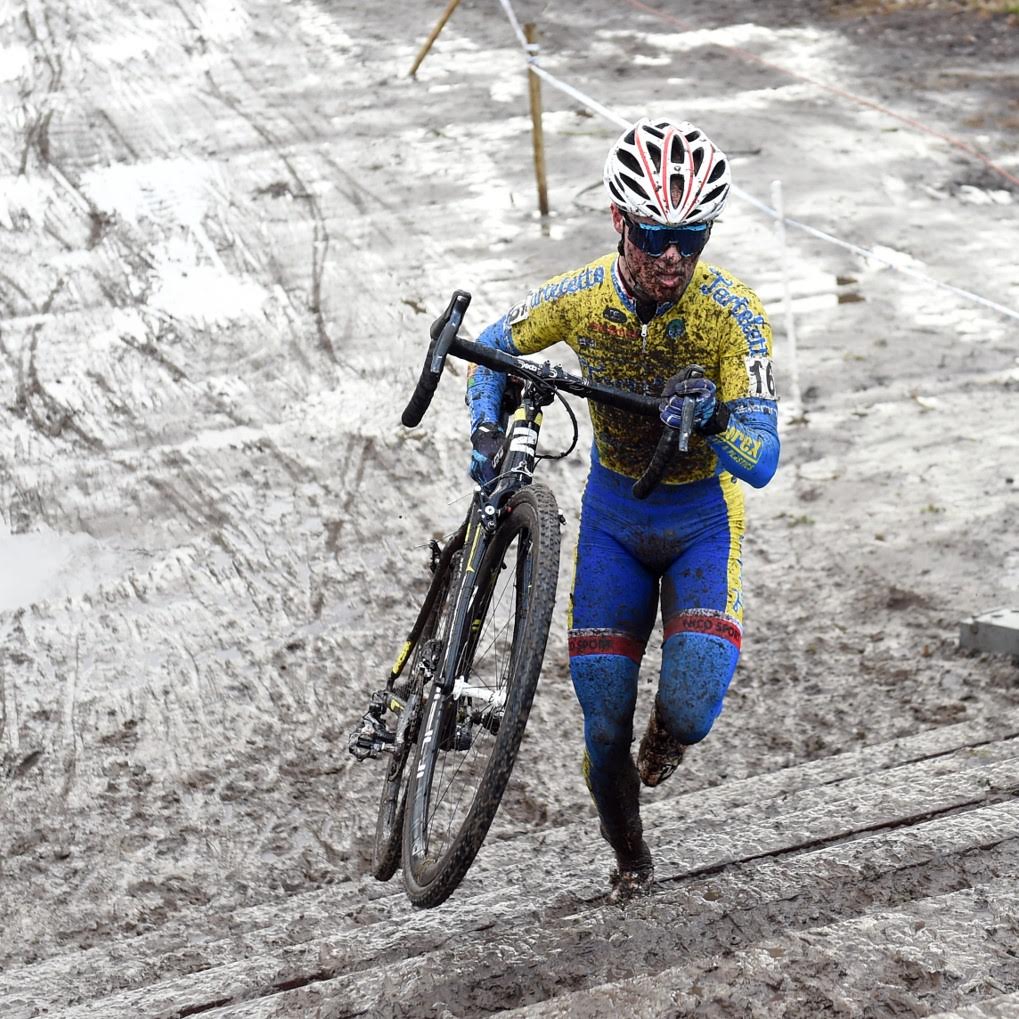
{"x": 653, "y": 239}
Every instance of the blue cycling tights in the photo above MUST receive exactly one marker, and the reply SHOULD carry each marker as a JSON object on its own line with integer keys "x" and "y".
{"x": 682, "y": 547}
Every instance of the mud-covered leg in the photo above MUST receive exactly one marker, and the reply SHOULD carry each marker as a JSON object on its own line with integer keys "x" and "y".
{"x": 696, "y": 671}
{"x": 606, "y": 687}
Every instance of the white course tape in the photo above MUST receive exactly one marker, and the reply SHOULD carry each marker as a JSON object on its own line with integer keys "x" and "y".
{"x": 529, "y": 48}
{"x": 604, "y": 111}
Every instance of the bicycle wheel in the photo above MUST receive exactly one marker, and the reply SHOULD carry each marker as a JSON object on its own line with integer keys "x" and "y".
{"x": 422, "y": 660}
{"x": 469, "y": 738}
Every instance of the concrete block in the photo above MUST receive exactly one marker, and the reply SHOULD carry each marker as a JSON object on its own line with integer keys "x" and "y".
{"x": 996, "y": 631}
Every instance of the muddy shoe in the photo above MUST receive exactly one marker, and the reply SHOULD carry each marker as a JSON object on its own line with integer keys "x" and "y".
{"x": 634, "y": 872}
{"x": 631, "y": 884}
{"x": 659, "y": 755}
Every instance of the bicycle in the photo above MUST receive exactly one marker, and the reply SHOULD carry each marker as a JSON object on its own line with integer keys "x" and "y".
{"x": 460, "y": 691}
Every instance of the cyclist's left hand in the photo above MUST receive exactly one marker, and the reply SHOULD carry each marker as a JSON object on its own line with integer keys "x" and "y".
{"x": 486, "y": 442}
{"x": 700, "y": 390}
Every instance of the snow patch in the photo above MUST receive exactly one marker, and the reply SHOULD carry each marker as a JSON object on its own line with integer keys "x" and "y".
{"x": 973, "y": 195}
{"x": 222, "y": 20}
{"x": 124, "y": 49}
{"x": 224, "y": 438}
{"x": 162, "y": 190}
{"x": 124, "y": 322}
{"x": 203, "y": 294}
{"x": 22, "y": 197}
{"x": 45, "y": 565}
{"x": 206, "y": 294}
{"x": 886, "y": 257}
{"x": 14, "y": 61}
{"x": 323, "y": 27}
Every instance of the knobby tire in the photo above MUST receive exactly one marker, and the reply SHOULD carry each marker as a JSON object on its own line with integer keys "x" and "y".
{"x": 387, "y": 848}
{"x": 465, "y": 752}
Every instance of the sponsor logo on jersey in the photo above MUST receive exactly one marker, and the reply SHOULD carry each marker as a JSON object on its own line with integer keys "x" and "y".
{"x": 675, "y": 329}
{"x": 583, "y": 280}
{"x": 518, "y": 312}
{"x": 622, "y": 332}
{"x": 614, "y": 314}
{"x": 750, "y": 324}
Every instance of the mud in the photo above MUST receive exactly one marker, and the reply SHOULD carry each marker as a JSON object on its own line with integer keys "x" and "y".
{"x": 225, "y": 229}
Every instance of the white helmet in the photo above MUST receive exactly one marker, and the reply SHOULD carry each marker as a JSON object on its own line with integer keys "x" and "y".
{"x": 671, "y": 173}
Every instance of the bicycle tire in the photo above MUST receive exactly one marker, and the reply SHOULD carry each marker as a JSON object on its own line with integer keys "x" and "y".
{"x": 387, "y": 848}
{"x": 467, "y": 744}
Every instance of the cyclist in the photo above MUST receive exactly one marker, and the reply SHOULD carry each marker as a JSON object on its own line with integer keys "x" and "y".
{"x": 644, "y": 318}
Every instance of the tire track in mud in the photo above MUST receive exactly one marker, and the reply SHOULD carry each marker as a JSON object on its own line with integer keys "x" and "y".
{"x": 56, "y": 417}
{"x": 37, "y": 127}
{"x": 193, "y": 496}
{"x": 320, "y": 231}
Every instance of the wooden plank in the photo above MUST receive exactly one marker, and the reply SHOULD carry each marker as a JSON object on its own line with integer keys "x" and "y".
{"x": 696, "y": 854}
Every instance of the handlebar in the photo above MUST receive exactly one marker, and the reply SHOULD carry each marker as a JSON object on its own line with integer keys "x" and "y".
{"x": 444, "y": 341}
{"x": 443, "y": 333}
{"x": 671, "y": 440}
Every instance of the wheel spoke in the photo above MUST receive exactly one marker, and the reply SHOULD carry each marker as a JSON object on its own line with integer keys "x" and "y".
{"x": 470, "y": 736}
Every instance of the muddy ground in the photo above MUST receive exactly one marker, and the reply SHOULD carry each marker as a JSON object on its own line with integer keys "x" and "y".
{"x": 225, "y": 228}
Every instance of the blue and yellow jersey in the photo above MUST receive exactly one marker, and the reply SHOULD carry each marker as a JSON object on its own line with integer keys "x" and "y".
{"x": 718, "y": 323}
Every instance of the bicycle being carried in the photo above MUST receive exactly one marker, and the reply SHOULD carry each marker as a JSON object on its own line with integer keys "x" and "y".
{"x": 457, "y": 698}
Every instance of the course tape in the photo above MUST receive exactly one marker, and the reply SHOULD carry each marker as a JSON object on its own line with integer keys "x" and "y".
{"x": 592, "y": 104}
{"x": 751, "y": 57}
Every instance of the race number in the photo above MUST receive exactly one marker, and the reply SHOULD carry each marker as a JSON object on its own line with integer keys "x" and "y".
{"x": 761, "y": 376}
{"x": 519, "y": 311}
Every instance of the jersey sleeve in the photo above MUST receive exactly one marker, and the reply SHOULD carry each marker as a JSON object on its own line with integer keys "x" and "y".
{"x": 749, "y": 447}
{"x": 537, "y": 322}
{"x": 485, "y": 386}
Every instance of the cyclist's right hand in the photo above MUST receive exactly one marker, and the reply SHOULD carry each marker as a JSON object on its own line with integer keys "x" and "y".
{"x": 487, "y": 440}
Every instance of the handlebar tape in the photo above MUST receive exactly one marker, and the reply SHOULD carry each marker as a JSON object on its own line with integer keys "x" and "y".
{"x": 664, "y": 451}
{"x": 671, "y": 441}
{"x": 443, "y": 333}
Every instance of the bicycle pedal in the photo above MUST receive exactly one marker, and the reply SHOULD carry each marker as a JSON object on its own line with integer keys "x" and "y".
{"x": 372, "y": 739}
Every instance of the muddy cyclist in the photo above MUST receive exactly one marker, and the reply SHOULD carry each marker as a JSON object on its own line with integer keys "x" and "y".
{"x": 652, "y": 317}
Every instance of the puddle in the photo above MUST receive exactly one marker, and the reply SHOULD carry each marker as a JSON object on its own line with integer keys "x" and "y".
{"x": 810, "y": 290}
{"x": 46, "y": 565}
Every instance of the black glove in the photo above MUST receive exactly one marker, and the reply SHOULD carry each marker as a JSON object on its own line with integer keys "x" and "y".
{"x": 487, "y": 441}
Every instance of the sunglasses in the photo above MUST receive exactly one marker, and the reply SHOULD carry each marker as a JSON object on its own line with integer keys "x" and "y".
{"x": 653, "y": 239}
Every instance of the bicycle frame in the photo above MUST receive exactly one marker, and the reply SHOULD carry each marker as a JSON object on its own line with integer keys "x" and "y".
{"x": 516, "y": 469}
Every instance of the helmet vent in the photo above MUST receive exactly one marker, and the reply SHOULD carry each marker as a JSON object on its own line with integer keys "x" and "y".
{"x": 634, "y": 185}
{"x": 717, "y": 171}
{"x": 631, "y": 162}
{"x": 655, "y": 152}
{"x": 713, "y": 194}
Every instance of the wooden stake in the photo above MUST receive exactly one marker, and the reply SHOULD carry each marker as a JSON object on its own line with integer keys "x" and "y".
{"x": 450, "y": 7}
{"x": 534, "y": 87}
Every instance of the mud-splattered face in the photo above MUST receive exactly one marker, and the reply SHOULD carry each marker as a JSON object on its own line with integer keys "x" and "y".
{"x": 662, "y": 278}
